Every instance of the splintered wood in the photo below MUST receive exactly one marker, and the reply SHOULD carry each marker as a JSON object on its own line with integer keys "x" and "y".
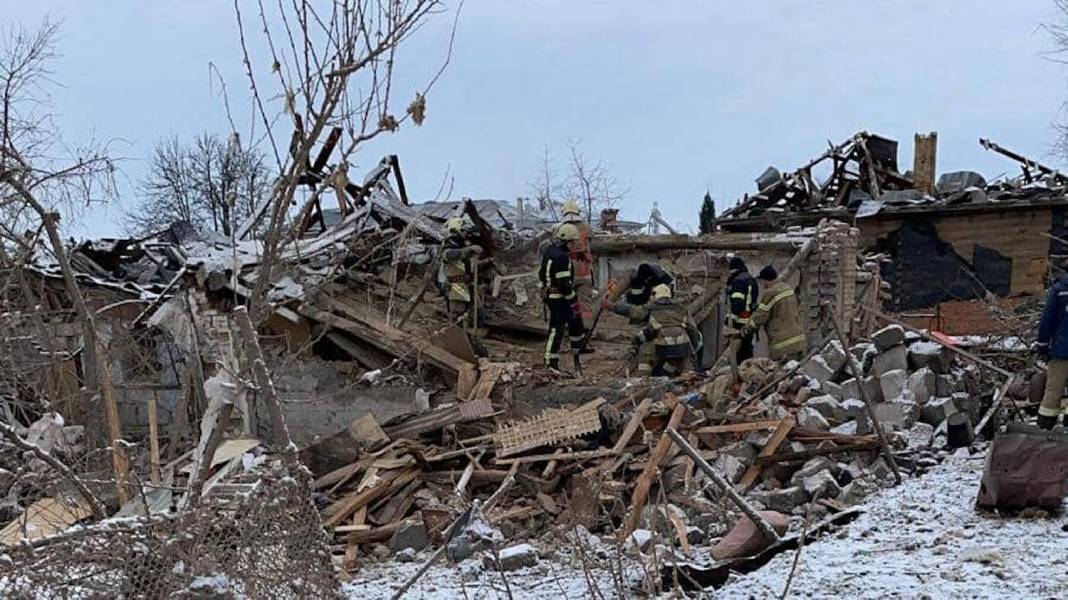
{"x": 551, "y": 427}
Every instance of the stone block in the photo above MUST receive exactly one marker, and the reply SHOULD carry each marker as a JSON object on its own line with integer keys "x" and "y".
{"x": 834, "y": 355}
{"x": 936, "y": 410}
{"x": 898, "y": 414}
{"x": 744, "y": 539}
{"x": 931, "y": 355}
{"x": 922, "y": 384}
{"x": 821, "y": 485}
{"x": 888, "y": 337}
{"x": 741, "y": 450}
{"x": 945, "y": 385}
{"x": 412, "y": 534}
{"x": 513, "y": 558}
{"x": 832, "y": 389}
{"x": 919, "y": 436}
{"x": 829, "y": 407}
{"x": 817, "y": 369}
{"x": 810, "y": 418}
{"x": 730, "y": 467}
{"x": 847, "y": 428}
{"x": 811, "y": 467}
{"x": 639, "y": 540}
{"x": 893, "y": 359}
{"x": 892, "y": 383}
{"x": 783, "y": 500}
{"x": 864, "y": 352}
{"x": 854, "y": 409}
{"x": 967, "y": 403}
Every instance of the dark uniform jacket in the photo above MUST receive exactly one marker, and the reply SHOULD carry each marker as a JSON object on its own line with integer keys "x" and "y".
{"x": 742, "y": 295}
{"x": 557, "y": 274}
{"x": 1053, "y": 328}
{"x": 645, "y": 279}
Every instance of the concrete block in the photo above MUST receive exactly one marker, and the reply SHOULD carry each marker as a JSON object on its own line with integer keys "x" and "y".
{"x": 741, "y": 450}
{"x": 898, "y": 414}
{"x": 922, "y": 384}
{"x": 639, "y": 540}
{"x": 850, "y": 389}
{"x": 847, "y": 428}
{"x": 513, "y": 558}
{"x": 967, "y": 403}
{"x": 817, "y": 369}
{"x": 864, "y": 352}
{"x": 783, "y": 500}
{"x": 854, "y": 409}
{"x": 892, "y": 383}
{"x": 821, "y": 484}
{"x": 730, "y": 467}
{"x": 919, "y": 436}
{"x": 893, "y": 359}
{"x": 829, "y": 407}
{"x": 931, "y": 355}
{"x": 936, "y": 410}
{"x": 814, "y": 465}
{"x": 888, "y": 337}
{"x": 945, "y": 385}
{"x": 834, "y": 355}
{"x": 832, "y": 389}
{"x": 412, "y": 534}
{"x": 810, "y": 418}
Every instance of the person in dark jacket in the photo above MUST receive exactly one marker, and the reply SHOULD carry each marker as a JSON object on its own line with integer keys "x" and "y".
{"x": 557, "y": 277}
{"x": 1052, "y": 346}
{"x": 742, "y": 295}
{"x": 646, "y": 277}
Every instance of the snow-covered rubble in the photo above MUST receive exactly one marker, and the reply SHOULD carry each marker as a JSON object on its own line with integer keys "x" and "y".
{"x": 924, "y": 539}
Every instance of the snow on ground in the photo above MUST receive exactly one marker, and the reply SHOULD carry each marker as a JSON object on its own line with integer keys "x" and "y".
{"x": 559, "y": 577}
{"x": 924, "y": 539}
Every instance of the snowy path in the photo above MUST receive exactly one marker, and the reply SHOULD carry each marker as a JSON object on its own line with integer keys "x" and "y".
{"x": 923, "y": 539}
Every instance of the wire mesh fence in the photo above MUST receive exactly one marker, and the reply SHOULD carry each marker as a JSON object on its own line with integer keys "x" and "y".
{"x": 256, "y": 537}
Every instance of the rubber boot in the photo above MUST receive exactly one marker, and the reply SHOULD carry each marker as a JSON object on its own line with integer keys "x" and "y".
{"x": 1045, "y": 422}
{"x": 554, "y": 363}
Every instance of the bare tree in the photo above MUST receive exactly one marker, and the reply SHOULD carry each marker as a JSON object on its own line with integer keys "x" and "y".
{"x": 39, "y": 175}
{"x": 212, "y": 185}
{"x": 331, "y": 66}
{"x": 592, "y": 183}
{"x": 1058, "y": 30}
{"x": 546, "y": 186}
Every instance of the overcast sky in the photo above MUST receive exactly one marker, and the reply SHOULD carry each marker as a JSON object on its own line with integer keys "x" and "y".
{"x": 676, "y": 96}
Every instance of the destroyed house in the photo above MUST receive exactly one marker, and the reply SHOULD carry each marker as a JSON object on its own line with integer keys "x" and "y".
{"x": 954, "y": 238}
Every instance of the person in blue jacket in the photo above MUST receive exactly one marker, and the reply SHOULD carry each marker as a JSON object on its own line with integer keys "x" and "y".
{"x": 1052, "y": 346}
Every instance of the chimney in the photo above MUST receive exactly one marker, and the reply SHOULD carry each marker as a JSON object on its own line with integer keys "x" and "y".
{"x": 923, "y": 161}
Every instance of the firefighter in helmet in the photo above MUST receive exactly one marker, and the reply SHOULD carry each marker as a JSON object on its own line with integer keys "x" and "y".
{"x": 557, "y": 278}
{"x": 672, "y": 331}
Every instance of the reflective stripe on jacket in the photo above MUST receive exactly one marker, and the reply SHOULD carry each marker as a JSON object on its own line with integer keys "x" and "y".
{"x": 779, "y": 313}
{"x": 742, "y": 296}
{"x": 557, "y": 273}
{"x": 670, "y": 328}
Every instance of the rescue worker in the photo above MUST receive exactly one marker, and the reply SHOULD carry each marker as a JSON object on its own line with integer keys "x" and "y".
{"x": 672, "y": 333}
{"x": 780, "y": 315}
{"x": 557, "y": 277}
{"x": 742, "y": 295}
{"x": 581, "y": 258}
{"x": 458, "y": 254}
{"x": 636, "y": 308}
{"x": 1052, "y": 346}
{"x": 646, "y": 277}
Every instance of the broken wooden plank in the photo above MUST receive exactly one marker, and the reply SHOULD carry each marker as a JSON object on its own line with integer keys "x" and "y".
{"x": 378, "y": 333}
{"x": 153, "y": 439}
{"x": 645, "y": 480}
{"x": 738, "y": 427}
{"x": 635, "y": 422}
{"x": 390, "y": 484}
{"x": 765, "y": 528}
{"x": 45, "y": 517}
{"x": 776, "y": 440}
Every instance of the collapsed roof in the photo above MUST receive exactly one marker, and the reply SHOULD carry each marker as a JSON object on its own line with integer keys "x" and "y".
{"x": 864, "y": 180}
